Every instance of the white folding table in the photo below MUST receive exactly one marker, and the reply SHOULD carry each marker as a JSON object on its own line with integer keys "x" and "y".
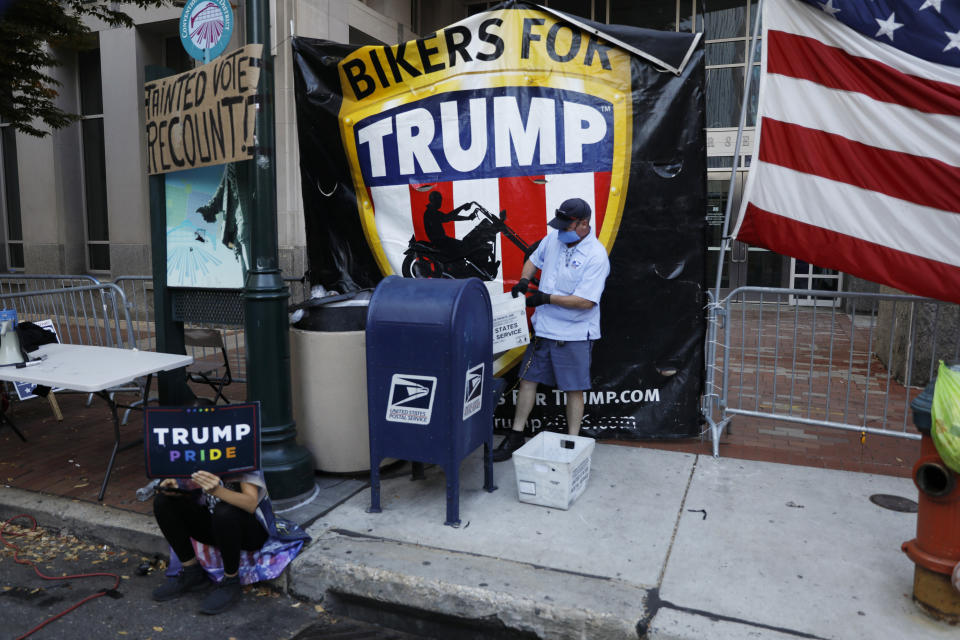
{"x": 95, "y": 370}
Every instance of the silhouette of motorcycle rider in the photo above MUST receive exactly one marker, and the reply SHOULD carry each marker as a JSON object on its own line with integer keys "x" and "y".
{"x": 475, "y": 256}
{"x": 433, "y": 219}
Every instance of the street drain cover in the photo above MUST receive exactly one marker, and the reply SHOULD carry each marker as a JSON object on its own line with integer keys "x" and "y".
{"x": 894, "y": 503}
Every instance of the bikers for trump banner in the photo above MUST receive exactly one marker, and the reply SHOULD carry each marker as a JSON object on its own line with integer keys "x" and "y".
{"x": 858, "y": 166}
{"x": 445, "y": 157}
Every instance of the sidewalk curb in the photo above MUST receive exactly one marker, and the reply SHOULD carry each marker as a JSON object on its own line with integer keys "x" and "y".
{"x": 478, "y": 591}
{"x": 108, "y": 525}
{"x": 673, "y": 624}
{"x": 482, "y": 592}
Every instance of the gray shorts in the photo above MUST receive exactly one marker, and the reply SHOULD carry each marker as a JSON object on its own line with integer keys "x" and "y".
{"x": 564, "y": 364}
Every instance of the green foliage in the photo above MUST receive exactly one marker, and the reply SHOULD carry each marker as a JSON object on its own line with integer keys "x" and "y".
{"x": 31, "y": 32}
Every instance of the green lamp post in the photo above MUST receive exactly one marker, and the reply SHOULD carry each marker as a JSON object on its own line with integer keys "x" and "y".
{"x": 287, "y": 466}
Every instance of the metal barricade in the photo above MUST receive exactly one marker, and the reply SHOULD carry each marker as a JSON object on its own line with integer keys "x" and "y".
{"x": 91, "y": 313}
{"x": 843, "y": 360}
{"x": 20, "y": 283}
{"x": 83, "y": 313}
{"x": 138, "y": 292}
{"x": 710, "y": 400}
{"x": 139, "y": 295}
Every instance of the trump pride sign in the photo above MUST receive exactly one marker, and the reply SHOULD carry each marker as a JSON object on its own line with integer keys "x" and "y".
{"x": 181, "y": 440}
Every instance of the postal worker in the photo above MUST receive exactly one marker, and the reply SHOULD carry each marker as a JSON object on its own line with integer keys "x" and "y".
{"x": 573, "y": 268}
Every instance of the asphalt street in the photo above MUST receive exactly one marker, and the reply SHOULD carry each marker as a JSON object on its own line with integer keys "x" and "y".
{"x": 127, "y": 612}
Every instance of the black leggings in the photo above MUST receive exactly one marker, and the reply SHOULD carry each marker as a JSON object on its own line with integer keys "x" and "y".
{"x": 228, "y": 528}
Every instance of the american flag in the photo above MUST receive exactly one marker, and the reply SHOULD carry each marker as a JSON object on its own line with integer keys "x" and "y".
{"x": 858, "y": 161}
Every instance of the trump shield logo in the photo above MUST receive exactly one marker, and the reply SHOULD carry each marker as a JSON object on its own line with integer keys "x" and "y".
{"x": 463, "y": 144}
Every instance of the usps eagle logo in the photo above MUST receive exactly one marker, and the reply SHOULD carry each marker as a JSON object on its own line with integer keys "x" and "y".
{"x": 411, "y": 398}
{"x": 464, "y": 143}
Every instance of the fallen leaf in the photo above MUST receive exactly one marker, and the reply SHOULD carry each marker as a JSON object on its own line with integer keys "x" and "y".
{"x": 318, "y": 608}
{"x": 81, "y": 486}
{"x": 295, "y": 605}
{"x": 123, "y": 633}
{"x": 158, "y": 628}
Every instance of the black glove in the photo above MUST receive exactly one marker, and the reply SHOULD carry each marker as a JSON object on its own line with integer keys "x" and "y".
{"x": 538, "y": 298}
{"x": 521, "y": 287}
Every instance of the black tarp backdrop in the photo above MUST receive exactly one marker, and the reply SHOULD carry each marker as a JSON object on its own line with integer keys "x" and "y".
{"x": 648, "y": 366}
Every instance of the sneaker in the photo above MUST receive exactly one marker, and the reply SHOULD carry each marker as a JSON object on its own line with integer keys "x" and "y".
{"x": 192, "y": 578}
{"x": 513, "y": 441}
{"x": 223, "y": 597}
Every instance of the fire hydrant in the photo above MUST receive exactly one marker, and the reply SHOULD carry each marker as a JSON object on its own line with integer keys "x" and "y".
{"x": 936, "y": 549}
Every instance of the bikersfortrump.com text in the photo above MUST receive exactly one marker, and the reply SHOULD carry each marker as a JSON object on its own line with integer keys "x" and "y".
{"x": 624, "y": 396}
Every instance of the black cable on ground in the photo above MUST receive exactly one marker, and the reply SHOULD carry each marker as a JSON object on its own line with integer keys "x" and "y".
{"x": 29, "y": 563}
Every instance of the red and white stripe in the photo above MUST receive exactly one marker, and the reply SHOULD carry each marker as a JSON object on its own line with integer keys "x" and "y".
{"x": 530, "y": 202}
{"x": 858, "y": 165}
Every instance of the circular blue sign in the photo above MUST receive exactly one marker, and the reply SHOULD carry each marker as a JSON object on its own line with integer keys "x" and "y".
{"x": 205, "y": 28}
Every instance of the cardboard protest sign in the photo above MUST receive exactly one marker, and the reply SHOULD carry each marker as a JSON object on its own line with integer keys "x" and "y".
{"x": 222, "y": 439}
{"x": 445, "y": 157}
{"x": 204, "y": 116}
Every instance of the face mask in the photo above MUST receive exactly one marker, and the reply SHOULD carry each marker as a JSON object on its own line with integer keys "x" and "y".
{"x": 568, "y": 237}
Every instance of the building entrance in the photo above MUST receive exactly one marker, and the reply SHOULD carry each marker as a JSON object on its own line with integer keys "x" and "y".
{"x": 743, "y": 265}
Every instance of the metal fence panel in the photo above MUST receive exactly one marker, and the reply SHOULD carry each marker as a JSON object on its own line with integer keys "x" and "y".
{"x": 82, "y": 312}
{"x": 139, "y": 295}
{"x": 854, "y": 363}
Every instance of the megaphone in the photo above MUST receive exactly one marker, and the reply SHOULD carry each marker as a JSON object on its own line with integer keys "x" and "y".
{"x": 10, "y": 353}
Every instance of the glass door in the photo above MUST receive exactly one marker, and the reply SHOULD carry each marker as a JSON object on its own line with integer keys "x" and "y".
{"x": 804, "y": 275}
{"x": 718, "y": 192}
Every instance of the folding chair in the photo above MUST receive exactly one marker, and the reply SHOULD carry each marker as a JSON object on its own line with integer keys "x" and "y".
{"x": 212, "y": 370}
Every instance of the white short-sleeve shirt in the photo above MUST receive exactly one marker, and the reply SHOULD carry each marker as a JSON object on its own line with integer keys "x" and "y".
{"x": 580, "y": 270}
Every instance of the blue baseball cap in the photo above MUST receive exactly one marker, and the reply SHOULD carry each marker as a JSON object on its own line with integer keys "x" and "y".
{"x": 570, "y": 210}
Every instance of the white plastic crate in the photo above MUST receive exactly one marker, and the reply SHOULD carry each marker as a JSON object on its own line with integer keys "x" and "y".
{"x": 552, "y": 469}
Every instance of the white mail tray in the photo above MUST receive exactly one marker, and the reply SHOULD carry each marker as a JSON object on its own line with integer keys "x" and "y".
{"x": 552, "y": 469}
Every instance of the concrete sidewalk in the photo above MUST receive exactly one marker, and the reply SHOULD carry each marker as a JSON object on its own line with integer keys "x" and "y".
{"x": 660, "y": 545}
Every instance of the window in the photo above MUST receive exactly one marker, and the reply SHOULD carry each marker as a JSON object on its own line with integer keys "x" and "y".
{"x": 94, "y": 164}
{"x": 581, "y": 8}
{"x": 727, "y": 27}
{"x": 649, "y": 14}
{"x": 175, "y": 56}
{"x": 10, "y": 196}
{"x": 590, "y": 9}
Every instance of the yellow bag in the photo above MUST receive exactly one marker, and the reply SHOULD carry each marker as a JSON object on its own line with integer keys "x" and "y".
{"x": 945, "y": 416}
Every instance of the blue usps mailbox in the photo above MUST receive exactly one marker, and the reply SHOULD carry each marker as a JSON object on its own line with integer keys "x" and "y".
{"x": 429, "y": 375}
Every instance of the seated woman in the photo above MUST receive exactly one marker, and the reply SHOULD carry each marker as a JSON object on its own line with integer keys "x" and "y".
{"x": 234, "y": 516}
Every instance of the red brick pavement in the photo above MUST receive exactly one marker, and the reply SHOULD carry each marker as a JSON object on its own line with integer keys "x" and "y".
{"x": 832, "y": 362}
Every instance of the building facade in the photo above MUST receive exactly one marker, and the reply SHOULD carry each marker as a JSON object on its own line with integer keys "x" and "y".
{"x": 77, "y": 200}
